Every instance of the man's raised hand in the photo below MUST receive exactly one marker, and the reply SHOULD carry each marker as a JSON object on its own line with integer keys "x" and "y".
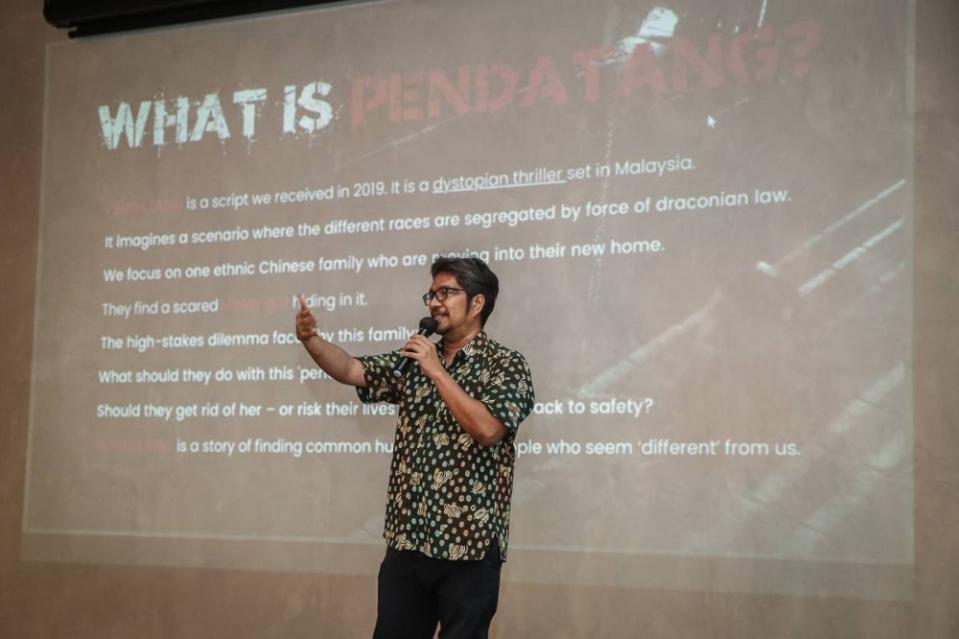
{"x": 305, "y": 322}
{"x": 424, "y": 352}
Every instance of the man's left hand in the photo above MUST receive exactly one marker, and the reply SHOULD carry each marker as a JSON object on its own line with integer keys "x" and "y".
{"x": 424, "y": 352}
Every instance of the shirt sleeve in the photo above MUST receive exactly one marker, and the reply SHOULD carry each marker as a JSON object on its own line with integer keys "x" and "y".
{"x": 381, "y": 386}
{"x": 508, "y": 394}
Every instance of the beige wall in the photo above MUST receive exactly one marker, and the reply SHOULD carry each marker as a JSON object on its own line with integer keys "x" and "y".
{"x": 54, "y": 600}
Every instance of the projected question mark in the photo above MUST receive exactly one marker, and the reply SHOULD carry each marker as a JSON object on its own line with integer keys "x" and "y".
{"x": 648, "y": 402}
{"x": 808, "y": 36}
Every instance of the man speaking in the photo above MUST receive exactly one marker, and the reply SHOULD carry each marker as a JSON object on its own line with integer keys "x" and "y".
{"x": 451, "y": 478}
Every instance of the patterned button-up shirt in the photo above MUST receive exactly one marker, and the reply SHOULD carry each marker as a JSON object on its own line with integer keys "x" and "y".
{"x": 449, "y": 497}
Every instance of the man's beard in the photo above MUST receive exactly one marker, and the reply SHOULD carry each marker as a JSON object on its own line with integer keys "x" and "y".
{"x": 442, "y": 329}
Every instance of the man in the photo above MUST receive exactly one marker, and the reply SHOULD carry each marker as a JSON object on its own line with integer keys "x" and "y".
{"x": 451, "y": 478}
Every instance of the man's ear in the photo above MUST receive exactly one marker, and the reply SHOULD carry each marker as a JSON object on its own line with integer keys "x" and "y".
{"x": 477, "y": 304}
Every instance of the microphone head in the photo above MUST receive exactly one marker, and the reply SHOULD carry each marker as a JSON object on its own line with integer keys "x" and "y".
{"x": 428, "y": 326}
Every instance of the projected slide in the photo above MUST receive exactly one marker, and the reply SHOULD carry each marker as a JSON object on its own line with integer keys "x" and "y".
{"x": 699, "y": 211}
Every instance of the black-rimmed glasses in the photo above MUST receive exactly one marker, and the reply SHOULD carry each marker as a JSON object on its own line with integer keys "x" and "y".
{"x": 440, "y": 294}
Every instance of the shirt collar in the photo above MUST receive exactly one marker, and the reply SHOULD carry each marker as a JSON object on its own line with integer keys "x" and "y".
{"x": 473, "y": 347}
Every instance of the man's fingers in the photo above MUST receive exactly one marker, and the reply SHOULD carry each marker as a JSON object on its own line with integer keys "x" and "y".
{"x": 411, "y": 347}
{"x": 304, "y": 313}
{"x": 305, "y": 321}
{"x": 417, "y": 346}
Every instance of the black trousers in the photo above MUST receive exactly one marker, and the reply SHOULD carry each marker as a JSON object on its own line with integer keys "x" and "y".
{"x": 415, "y": 592}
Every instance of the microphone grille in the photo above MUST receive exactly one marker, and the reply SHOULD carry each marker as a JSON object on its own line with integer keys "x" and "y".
{"x": 429, "y": 325}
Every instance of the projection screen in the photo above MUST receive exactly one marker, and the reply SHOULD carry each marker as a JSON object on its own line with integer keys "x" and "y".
{"x": 700, "y": 212}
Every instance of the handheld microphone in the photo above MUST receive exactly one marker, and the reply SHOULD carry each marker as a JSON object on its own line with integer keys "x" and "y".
{"x": 428, "y": 326}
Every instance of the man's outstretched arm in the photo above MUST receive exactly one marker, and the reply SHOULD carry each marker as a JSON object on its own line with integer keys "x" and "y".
{"x": 336, "y": 362}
